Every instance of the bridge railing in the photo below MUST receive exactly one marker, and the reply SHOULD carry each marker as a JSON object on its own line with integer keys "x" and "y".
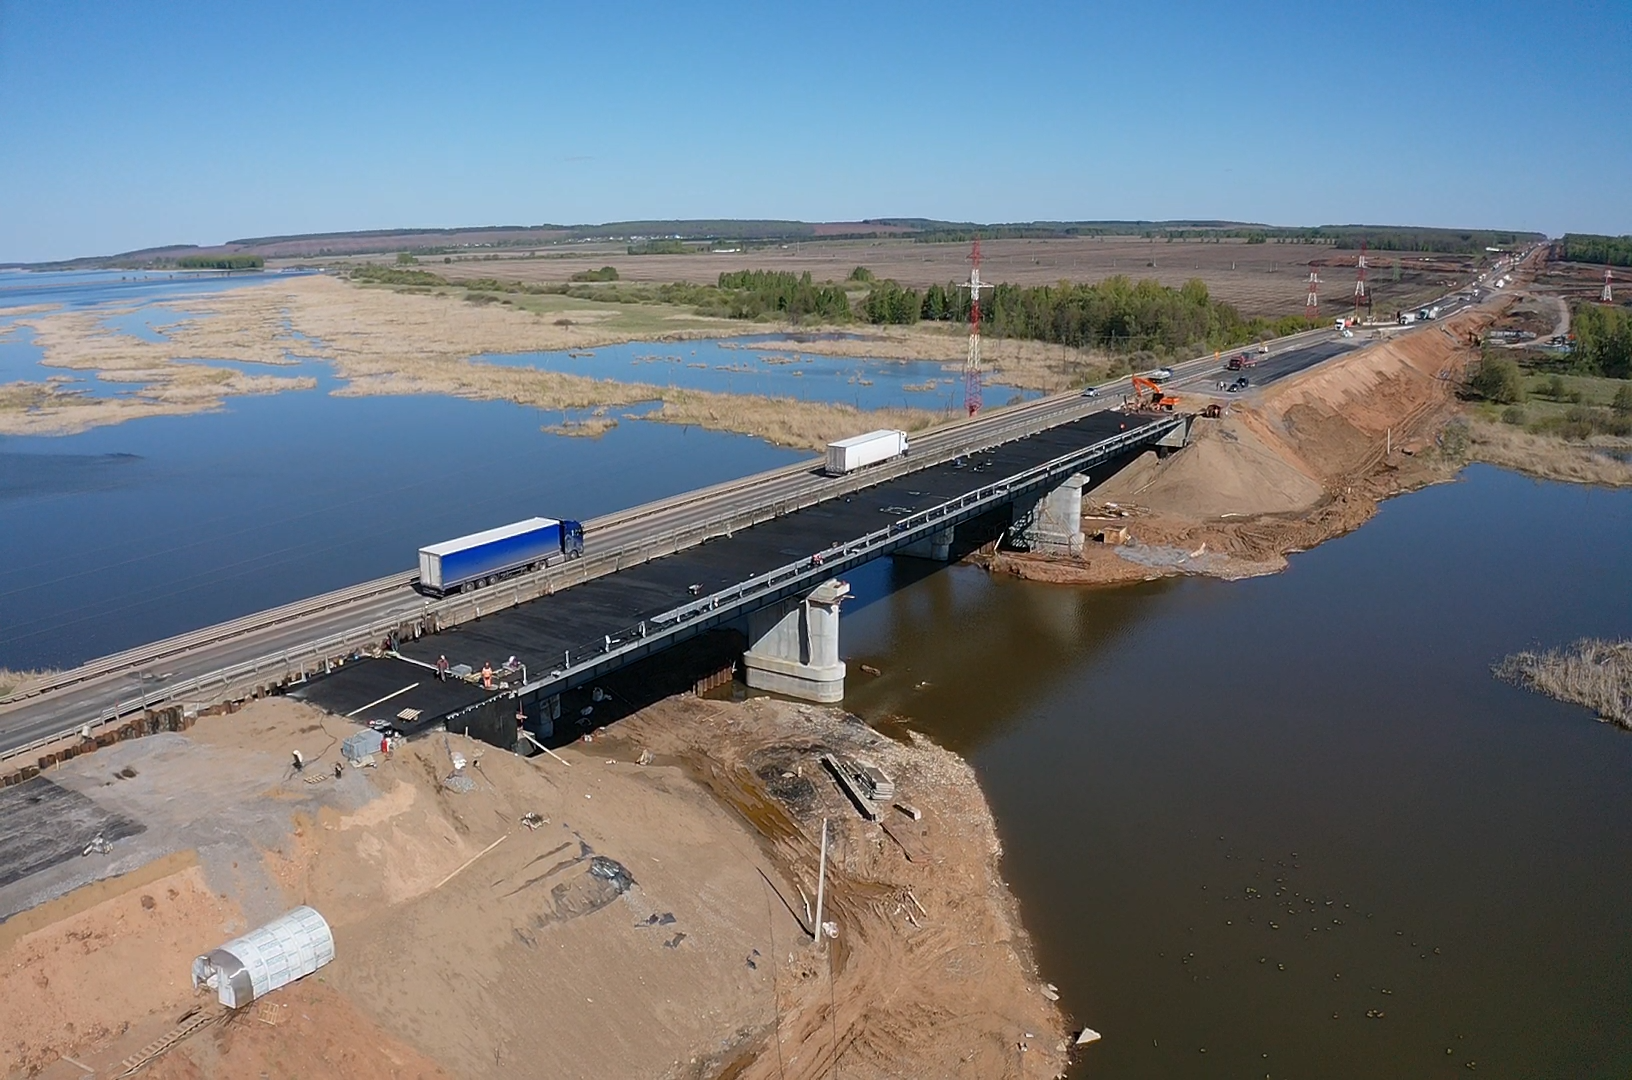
{"x": 307, "y": 658}
{"x": 765, "y": 588}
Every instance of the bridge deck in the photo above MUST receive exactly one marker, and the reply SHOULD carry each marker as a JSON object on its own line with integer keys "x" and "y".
{"x": 540, "y": 633}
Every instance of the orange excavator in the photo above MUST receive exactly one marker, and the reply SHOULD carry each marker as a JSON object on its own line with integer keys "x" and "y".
{"x": 1148, "y": 396}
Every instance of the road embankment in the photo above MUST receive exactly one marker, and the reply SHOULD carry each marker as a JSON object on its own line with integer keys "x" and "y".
{"x": 649, "y": 893}
{"x": 1283, "y": 469}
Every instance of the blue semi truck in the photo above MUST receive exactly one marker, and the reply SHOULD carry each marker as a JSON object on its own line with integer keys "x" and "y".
{"x": 483, "y": 558}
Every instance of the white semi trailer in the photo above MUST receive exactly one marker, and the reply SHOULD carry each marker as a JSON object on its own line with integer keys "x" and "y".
{"x": 859, "y": 451}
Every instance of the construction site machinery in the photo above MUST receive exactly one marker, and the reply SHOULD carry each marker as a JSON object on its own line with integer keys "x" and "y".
{"x": 1148, "y": 396}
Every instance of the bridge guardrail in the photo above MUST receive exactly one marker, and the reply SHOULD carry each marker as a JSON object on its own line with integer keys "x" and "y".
{"x": 1022, "y": 417}
{"x": 838, "y": 557}
{"x": 454, "y": 610}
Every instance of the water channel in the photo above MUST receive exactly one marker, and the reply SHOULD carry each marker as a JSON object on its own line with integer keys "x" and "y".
{"x": 1239, "y": 816}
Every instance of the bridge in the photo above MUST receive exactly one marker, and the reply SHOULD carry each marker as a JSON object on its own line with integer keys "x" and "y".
{"x": 762, "y": 555}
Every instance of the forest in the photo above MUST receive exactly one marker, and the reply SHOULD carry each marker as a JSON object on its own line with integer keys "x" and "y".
{"x": 1117, "y": 314}
{"x": 1590, "y": 248}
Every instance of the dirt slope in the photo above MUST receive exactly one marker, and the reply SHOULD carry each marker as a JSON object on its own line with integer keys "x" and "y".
{"x": 655, "y": 922}
{"x": 1285, "y": 468}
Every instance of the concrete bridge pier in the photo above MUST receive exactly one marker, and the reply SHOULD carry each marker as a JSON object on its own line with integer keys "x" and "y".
{"x": 1055, "y": 526}
{"x": 937, "y": 546}
{"x": 793, "y": 646}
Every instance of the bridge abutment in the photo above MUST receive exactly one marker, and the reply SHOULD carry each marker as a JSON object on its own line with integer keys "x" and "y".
{"x": 794, "y": 646}
{"x": 1056, "y": 519}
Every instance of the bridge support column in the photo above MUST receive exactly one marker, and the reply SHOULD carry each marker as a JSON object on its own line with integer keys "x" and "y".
{"x": 1056, "y": 521}
{"x": 937, "y": 545}
{"x": 794, "y": 646}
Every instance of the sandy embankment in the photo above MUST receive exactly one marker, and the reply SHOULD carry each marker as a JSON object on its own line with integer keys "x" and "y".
{"x": 469, "y": 945}
{"x": 1291, "y": 466}
{"x": 381, "y": 342}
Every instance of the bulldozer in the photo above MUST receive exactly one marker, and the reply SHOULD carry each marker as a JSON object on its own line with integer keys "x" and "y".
{"x": 1148, "y": 396}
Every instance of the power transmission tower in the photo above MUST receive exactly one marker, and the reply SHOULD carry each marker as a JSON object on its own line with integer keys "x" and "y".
{"x": 1311, "y": 306}
{"x": 973, "y": 377}
{"x": 1608, "y": 295}
{"x": 1362, "y": 297}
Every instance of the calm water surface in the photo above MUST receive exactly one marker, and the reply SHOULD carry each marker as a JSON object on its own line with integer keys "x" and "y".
{"x": 1418, "y": 840}
{"x": 134, "y": 532}
{"x": 1424, "y": 842}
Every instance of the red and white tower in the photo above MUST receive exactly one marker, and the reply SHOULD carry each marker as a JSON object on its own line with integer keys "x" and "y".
{"x": 1362, "y": 296}
{"x": 973, "y": 377}
{"x": 1311, "y": 306}
{"x": 1608, "y": 295}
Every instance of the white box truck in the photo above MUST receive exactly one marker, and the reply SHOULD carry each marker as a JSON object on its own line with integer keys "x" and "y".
{"x": 859, "y": 451}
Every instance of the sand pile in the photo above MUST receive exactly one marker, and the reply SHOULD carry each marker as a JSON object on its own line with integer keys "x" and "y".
{"x": 1285, "y": 468}
{"x": 1230, "y": 468}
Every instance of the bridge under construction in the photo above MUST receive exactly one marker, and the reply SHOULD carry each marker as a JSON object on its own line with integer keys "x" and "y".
{"x": 763, "y": 557}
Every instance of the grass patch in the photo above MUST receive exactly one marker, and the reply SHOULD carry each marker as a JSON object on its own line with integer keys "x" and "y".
{"x": 1591, "y": 672}
{"x": 1494, "y": 439}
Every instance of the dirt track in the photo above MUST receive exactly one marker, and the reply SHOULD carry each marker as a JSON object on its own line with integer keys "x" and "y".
{"x": 469, "y": 945}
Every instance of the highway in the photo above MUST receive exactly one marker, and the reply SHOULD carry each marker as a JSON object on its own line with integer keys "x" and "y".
{"x": 88, "y": 693}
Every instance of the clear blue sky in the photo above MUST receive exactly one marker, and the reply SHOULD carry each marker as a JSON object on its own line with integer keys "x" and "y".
{"x": 125, "y": 125}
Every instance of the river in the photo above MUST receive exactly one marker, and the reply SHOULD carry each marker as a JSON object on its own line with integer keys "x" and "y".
{"x": 1426, "y": 843}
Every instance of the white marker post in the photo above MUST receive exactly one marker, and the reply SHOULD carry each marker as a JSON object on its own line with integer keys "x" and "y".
{"x": 821, "y": 884}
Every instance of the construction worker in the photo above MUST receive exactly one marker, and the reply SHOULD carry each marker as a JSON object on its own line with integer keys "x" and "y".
{"x": 442, "y": 669}
{"x": 487, "y": 675}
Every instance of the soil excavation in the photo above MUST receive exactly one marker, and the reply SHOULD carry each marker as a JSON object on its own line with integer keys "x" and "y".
{"x": 640, "y": 905}
{"x": 1282, "y": 469}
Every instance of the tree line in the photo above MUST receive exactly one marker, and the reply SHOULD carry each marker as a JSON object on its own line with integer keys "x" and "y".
{"x": 1603, "y": 340}
{"x": 752, "y": 293}
{"x": 1117, "y": 314}
{"x": 221, "y": 262}
{"x": 1590, "y": 248}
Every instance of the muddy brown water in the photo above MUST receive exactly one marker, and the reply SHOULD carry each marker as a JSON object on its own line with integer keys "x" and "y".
{"x": 1291, "y": 827}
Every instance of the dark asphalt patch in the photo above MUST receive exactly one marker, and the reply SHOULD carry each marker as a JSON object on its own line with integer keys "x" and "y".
{"x": 42, "y": 825}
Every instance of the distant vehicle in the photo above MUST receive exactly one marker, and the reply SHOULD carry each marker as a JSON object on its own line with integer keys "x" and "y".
{"x": 1239, "y": 361}
{"x": 1263, "y": 349}
{"x": 1347, "y": 332}
{"x": 1090, "y": 392}
{"x": 1160, "y": 374}
{"x": 482, "y": 558}
{"x": 1238, "y": 385}
{"x": 859, "y": 451}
